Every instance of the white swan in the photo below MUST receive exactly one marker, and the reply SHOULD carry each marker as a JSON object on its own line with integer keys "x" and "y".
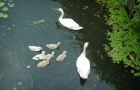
{"x": 83, "y": 64}
{"x": 68, "y": 22}
{"x": 39, "y": 56}
{"x": 42, "y": 64}
{"x": 61, "y": 57}
{"x": 53, "y": 46}
{"x": 48, "y": 57}
{"x": 35, "y": 48}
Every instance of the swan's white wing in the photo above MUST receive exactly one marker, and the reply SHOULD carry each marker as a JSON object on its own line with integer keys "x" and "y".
{"x": 69, "y": 23}
{"x": 83, "y": 65}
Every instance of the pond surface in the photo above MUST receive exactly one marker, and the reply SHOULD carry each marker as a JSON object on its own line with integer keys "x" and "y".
{"x": 35, "y": 22}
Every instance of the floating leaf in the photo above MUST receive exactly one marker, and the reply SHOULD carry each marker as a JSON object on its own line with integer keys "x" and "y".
{"x": 1, "y": 14}
{"x": 9, "y": 28}
{"x": 1, "y": 4}
{"x": 5, "y": 15}
{"x": 55, "y": 9}
{"x": 39, "y": 21}
{"x": 5, "y": 9}
{"x": 19, "y": 83}
{"x": 14, "y": 88}
{"x": 85, "y": 7}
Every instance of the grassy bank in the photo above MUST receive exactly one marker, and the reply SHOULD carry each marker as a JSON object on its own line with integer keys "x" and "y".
{"x": 124, "y": 38}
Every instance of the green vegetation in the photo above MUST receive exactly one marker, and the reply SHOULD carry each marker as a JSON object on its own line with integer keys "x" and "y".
{"x": 1, "y": 4}
{"x": 19, "y": 83}
{"x": 38, "y": 21}
{"x": 2, "y": 15}
{"x": 85, "y": 7}
{"x": 5, "y": 9}
{"x": 125, "y": 34}
{"x": 14, "y": 88}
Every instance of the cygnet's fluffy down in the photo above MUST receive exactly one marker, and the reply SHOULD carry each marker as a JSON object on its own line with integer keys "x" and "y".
{"x": 48, "y": 57}
{"x": 53, "y": 46}
{"x": 35, "y": 48}
{"x": 42, "y": 64}
{"x": 39, "y": 56}
{"x": 61, "y": 57}
{"x": 28, "y": 66}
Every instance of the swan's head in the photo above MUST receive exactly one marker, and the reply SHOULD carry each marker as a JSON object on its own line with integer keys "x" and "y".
{"x": 60, "y": 9}
{"x": 86, "y": 44}
{"x": 64, "y": 52}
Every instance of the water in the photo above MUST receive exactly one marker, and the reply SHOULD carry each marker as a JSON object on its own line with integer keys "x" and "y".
{"x": 19, "y": 31}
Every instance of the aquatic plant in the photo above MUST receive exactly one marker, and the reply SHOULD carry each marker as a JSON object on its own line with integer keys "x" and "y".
{"x": 14, "y": 88}
{"x": 1, "y": 4}
{"x": 55, "y": 9}
{"x": 11, "y": 0}
{"x": 19, "y": 83}
{"x": 5, "y": 9}
{"x": 3, "y": 15}
{"x": 125, "y": 35}
{"x": 85, "y": 7}
{"x": 39, "y": 21}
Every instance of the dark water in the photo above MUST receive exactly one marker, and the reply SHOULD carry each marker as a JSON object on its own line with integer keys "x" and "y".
{"x": 19, "y": 31}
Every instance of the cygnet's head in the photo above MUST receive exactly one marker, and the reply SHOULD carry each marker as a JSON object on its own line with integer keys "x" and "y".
{"x": 58, "y": 43}
{"x": 52, "y": 52}
{"x": 64, "y": 52}
{"x": 43, "y": 52}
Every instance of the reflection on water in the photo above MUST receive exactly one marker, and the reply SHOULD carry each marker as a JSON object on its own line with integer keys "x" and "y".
{"x": 18, "y": 32}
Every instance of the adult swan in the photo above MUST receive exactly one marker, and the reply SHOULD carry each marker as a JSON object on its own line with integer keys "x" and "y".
{"x": 68, "y": 22}
{"x": 83, "y": 64}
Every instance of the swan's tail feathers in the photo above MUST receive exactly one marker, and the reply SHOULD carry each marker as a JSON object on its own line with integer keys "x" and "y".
{"x": 77, "y": 28}
{"x": 81, "y": 75}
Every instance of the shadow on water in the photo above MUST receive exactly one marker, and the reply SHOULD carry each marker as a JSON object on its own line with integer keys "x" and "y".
{"x": 82, "y": 81}
{"x": 21, "y": 29}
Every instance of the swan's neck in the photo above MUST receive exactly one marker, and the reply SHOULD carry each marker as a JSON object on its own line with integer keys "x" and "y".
{"x": 84, "y": 51}
{"x": 62, "y": 14}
